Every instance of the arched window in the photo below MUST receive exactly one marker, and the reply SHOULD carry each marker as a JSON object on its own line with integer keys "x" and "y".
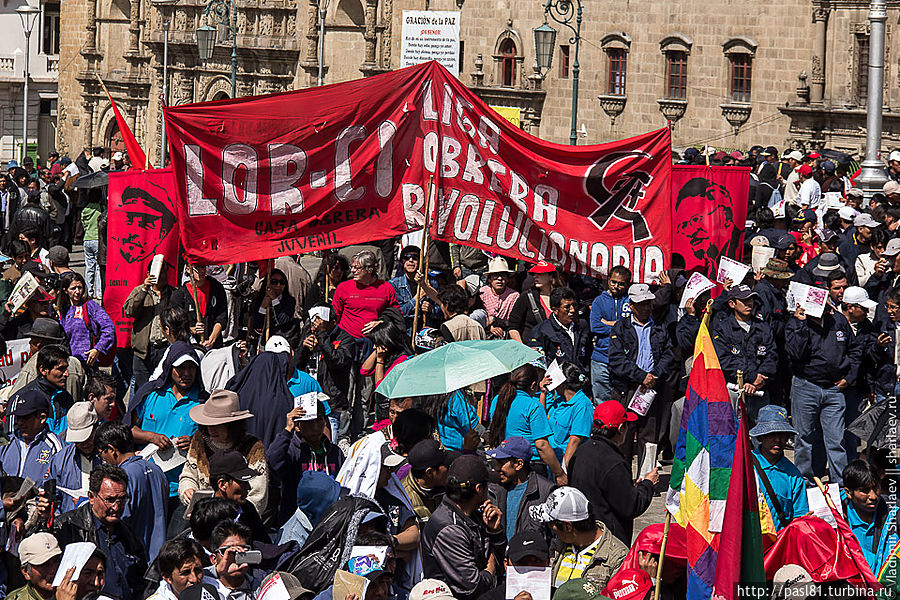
{"x": 221, "y": 96}
{"x": 740, "y": 51}
{"x": 508, "y": 62}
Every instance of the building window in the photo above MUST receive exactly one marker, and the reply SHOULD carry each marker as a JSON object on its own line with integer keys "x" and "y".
{"x": 563, "y": 62}
{"x": 676, "y": 75}
{"x": 50, "y": 29}
{"x": 862, "y": 69}
{"x": 617, "y": 65}
{"x": 508, "y": 63}
{"x": 741, "y": 75}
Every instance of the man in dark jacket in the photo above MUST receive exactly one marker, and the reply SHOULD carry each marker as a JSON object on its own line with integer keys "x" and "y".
{"x": 882, "y": 355}
{"x": 463, "y": 542}
{"x": 100, "y": 521}
{"x": 743, "y": 342}
{"x": 825, "y": 358}
{"x": 641, "y": 357}
{"x": 603, "y": 474}
{"x": 519, "y": 488}
{"x": 771, "y": 307}
{"x": 209, "y": 325}
{"x": 563, "y": 337}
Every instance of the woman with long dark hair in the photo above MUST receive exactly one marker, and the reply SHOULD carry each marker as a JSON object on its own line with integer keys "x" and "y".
{"x": 515, "y": 411}
{"x": 333, "y": 271}
{"x": 391, "y": 347}
{"x": 456, "y": 418}
{"x": 91, "y": 332}
{"x": 570, "y": 412}
{"x": 276, "y": 302}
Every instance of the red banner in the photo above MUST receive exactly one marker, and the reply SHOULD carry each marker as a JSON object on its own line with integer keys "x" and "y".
{"x": 709, "y": 205}
{"x": 142, "y": 217}
{"x": 348, "y": 163}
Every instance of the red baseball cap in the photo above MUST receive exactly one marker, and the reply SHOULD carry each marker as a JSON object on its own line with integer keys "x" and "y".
{"x": 542, "y": 267}
{"x": 612, "y": 414}
{"x": 628, "y": 584}
{"x": 814, "y": 155}
{"x": 805, "y": 170}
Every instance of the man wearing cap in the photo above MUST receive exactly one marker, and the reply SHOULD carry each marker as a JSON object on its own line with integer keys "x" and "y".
{"x": 427, "y": 477}
{"x": 148, "y": 488}
{"x": 563, "y": 337}
{"x": 229, "y": 477}
{"x": 32, "y": 444}
{"x": 810, "y": 193}
{"x": 584, "y": 547}
{"x": 46, "y": 331}
{"x": 58, "y": 257}
{"x": 884, "y": 372}
{"x": 607, "y": 309}
{"x": 781, "y": 483}
{"x": 745, "y": 343}
{"x": 767, "y": 172}
{"x": 497, "y": 296}
{"x": 520, "y": 487}
{"x": 856, "y": 309}
{"x": 887, "y": 274}
{"x": 72, "y": 466}
{"x": 100, "y": 521}
{"x": 791, "y": 187}
{"x": 640, "y": 356}
{"x": 527, "y": 550}
{"x": 858, "y": 242}
{"x": 825, "y": 359}
{"x": 464, "y": 536}
{"x": 40, "y": 555}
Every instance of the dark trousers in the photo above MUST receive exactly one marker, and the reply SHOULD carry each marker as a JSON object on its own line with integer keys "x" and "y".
{"x": 648, "y": 429}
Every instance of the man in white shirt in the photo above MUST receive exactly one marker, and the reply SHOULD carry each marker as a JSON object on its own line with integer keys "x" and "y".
{"x": 791, "y": 188}
{"x": 810, "y": 194}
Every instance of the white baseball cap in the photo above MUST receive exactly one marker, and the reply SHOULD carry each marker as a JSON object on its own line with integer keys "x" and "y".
{"x": 431, "y": 589}
{"x": 895, "y": 155}
{"x": 856, "y": 295}
{"x": 847, "y": 213}
{"x": 80, "y": 421}
{"x": 892, "y": 248}
{"x": 563, "y": 504}
{"x": 795, "y": 154}
{"x": 640, "y": 292}
{"x": 277, "y": 344}
{"x": 865, "y": 220}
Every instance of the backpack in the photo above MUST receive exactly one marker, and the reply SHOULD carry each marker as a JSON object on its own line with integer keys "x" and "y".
{"x": 329, "y": 543}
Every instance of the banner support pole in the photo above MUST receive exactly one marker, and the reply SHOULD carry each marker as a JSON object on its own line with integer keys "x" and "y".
{"x": 196, "y": 302}
{"x": 270, "y": 264}
{"x": 423, "y": 257}
{"x": 662, "y": 556}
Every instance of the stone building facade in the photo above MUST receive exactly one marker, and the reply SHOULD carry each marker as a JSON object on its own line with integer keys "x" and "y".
{"x": 720, "y": 73}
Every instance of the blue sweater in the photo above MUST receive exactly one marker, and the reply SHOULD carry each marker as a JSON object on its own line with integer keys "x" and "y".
{"x": 605, "y": 307}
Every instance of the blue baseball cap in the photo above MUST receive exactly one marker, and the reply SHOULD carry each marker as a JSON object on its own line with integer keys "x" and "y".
{"x": 512, "y": 447}
{"x": 772, "y": 419}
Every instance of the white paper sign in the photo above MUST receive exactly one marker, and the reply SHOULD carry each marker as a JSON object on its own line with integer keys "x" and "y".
{"x": 76, "y": 554}
{"x": 430, "y": 35}
{"x": 309, "y": 403}
{"x": 273, "y": 589}
{"x": 555, "y": 373}
{"x": 534, "y": 580}
{"x": 819, "y": 507}
{"x": 649, "y": 462}
{"x": 731, "y": 269}
{"x": 323, "y": 312}
{"x": 810, "y": 299}
{"x": 695, "y": 286}
{"x": 641, "y": 401}
{"x": 760, "y": 257}
{"x": 170, "y": 458}
{"x": 17, "y": 354}
{"x": 156, "y": 267}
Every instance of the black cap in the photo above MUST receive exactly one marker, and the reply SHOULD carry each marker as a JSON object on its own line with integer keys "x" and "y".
{"x": 48, "y": 329}
{"x": 407, "y": 250}
{"x": 527, "y": 543}
{"x": 428, "y": 453}
{"x": 467, "y": 471}
{"x": 200, "y": 591}
{"x": 28, "y": 402}
{"x": 231, "y": 463}
{"x": 741, "y": 292}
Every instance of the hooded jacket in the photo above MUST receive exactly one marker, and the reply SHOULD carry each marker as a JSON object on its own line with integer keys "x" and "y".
{"x": 163, "y": 382}
{"x": 262, "y": 387}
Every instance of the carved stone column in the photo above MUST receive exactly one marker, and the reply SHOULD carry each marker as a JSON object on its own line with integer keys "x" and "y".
{"x": 817, "y": 78}
{"x": 370, "y": 36}
{"x": 312, "y": 33}
{"x": 134, "y": 27}
{"x": 387, "y": 13}
{"x": 90, "y": 33}
{"x": 88, "y": 107}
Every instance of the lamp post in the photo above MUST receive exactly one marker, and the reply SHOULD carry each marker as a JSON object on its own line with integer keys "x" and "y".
{"x": 220, "y": 12}
{"x": 564, "y": 12}
{"x": 323, "y": 10}
{"x": 28, "y": 14}
{"x": 873, "y": 177}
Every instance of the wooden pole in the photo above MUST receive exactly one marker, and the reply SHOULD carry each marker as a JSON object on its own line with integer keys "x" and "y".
{"x": 270, "y": 264}
{"x": 662, "y": 556}
{"x": 423, "y": 259}
{"x": 706, "y": 152}
{"x": 196, "y": 302}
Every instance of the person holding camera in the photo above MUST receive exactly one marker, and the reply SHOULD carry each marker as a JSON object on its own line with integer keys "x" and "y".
{"x": 231, "y": 560}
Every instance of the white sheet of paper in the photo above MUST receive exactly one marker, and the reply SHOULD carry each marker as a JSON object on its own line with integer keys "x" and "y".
{"x": 147, "y": 451}
{"x": 649, "y": 462}
{"x": 534, "y": 580}
{"x": 75, "y": 494}
{"x": 695, "y": 286}
{"x": 760, "y": 257}
{"x": 819, "y": 507}
{"x": 323, "y": 312}
{"x": 641, "y": 401}
{"x": 309, "y": 403}
{"x": 274, "y": 589}
{"x": 731, "y": 269}
{"x": 27, "y": 486}
{"x": 811, "y": 299}
{"x": 75, "y": 555}
{"x": 379, "y": 552}
{"x": 170, "y": 458}
{"x": 555, "y": 373}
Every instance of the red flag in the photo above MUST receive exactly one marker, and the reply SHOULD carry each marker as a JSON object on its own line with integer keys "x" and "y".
{"x": 138, "y": 158}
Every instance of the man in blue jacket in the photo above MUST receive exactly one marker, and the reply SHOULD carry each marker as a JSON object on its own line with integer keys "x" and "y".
{"x": 825, "y": 358}
{"x": 32, "y": 445}
{"x": 607, "y": 308}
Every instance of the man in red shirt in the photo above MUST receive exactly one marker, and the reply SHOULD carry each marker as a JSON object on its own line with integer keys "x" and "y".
{"x": 359, "y": 300}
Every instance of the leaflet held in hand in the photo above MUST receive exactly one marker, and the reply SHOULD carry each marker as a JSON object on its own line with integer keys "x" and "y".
{"x": 695, "y": 286}
{"x": 731, "y": 269}
{"x": 811, "y": 299}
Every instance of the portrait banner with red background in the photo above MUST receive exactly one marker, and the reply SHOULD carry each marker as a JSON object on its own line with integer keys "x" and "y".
{"x": 354, "y": 162}
{"x": 709, "y": 206}
{"x": 142, "y": 219}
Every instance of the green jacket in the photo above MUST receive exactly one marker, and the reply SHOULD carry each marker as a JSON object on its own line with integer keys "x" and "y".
{"x": 26, "y": 592}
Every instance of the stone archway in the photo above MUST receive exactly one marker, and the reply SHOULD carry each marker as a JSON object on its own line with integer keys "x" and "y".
{"x": 218, "y": 89}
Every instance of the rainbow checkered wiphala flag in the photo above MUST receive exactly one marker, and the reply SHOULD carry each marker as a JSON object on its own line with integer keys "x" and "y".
{"x": 701, "y": 471}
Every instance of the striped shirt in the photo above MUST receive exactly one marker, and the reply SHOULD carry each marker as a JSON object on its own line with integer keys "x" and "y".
{"x": 573, "y": 563}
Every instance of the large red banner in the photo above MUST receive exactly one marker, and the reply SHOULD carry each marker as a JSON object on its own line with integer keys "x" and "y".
{"x": 353, "y": 162}
{"x": 709, "y": 205}
{"x": 141, "y": 224}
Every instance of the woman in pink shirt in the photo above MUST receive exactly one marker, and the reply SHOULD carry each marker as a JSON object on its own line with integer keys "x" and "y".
{"x": 359, "y": 300}
{"x": 497, "y": 297}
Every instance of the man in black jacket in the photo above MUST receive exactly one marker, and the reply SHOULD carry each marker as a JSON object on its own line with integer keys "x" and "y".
{"x": 641, "y": 357}
{"x": 210, "y": 324}
{"x": 603, "y": 474}
{"x": 563, "y": 337}
{"x": 100, "y": 521}
{"x": 519, "y": 485}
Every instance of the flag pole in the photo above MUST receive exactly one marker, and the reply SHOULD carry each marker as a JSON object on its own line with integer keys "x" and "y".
{"x": 196, "y": 302}
{"x": 270, "y": 264}
{"x": 423, "y": 256}
{"x": 662, "y": 556}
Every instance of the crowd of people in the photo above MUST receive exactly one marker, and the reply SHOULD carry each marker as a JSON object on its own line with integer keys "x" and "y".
{"x": 240, "y": 446}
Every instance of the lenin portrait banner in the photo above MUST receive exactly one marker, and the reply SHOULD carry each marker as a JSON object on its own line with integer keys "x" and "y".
{"x": 709, "y": 208}
{"x": 142, "y": 223}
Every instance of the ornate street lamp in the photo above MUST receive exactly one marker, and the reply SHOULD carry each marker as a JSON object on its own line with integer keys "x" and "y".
{"x": 219, "y": 12}
{"x": 28, "y": 14}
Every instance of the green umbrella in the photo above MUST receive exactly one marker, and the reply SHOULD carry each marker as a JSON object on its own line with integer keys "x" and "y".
{"x": 454, "y": 366}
